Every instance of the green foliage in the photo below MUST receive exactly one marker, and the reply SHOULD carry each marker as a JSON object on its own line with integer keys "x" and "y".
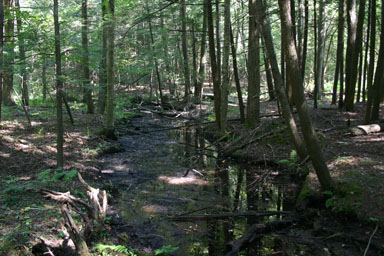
{"x": 292, "y": 161}
{"x": 105, "y": 249}
{"x": 47, "y": 176}
{"x": 165, "y": 250}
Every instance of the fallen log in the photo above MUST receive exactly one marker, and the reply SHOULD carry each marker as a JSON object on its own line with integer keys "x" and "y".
{"x": 226, "y": 215}
{"x": 367, "y": 129}
{"x": 255, "y": 232}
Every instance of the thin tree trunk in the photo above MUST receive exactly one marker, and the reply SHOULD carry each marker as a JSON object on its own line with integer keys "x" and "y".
{"x": 160, "y": 86}
{"x": 358, "y": 95}
{"x": 109, "y": 122}
{"x": 23, "y": 71}
{"x": 218, "y": 39}
{"x": 187, "y": 73}
{"x": 102, "y": 97}
{"x": 85, "y": 61}
{"x": 9, "y": 56}
{"x": 315, "y": 50}
{"x": 201, "y": 76}
{"x": 365, "y": 70}
{"x": 379, "y": 76}
{"x": 226, "y": 78}
{"x": 253, "y": 102}
{"x": 287, "y": 114}
{"x": 308, "y": 131}
{"x": 1, "y": 55}
{"x": 371, "y": 68}
{"x": 194, "y": 61}
{"x": 320, "y": 50}
{"x": 268, "y": 74}
{"x": 215, "y": 74}
{"x": 59, "y": 89}
{"x": 305, "y": 40}
{"x": 237, "y": 79}
{"x": 340, "y": 52}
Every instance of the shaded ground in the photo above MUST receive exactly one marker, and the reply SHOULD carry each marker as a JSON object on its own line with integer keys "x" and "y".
{"x": 148, "y": 187}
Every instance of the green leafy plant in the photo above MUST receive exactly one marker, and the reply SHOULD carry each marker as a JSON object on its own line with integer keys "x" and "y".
{"x": 292, "y": 161}
{"x": 47, "y": 175}
{"x": 104, "y": 249}
{"x": 166, "y": 249}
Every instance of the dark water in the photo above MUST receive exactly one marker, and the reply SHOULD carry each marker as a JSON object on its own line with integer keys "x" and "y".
{"x": 155, "y": 184}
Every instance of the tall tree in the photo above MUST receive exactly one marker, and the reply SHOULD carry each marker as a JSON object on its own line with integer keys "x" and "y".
{"x": 109, "y": 129}
{"x": 278, "y": 79}
{"x": 354, "y": 45}
{"x": 85, "y": 60}
{"x": 253, "y": 102}
{"x": 339, "y": 70}
{"x": 305, "y": 39}
{"x": 187, "y": 72}
{"x": 102, "y": 97}
{"x": 203, "y": 43}
{"x": 1, "y": 54}
{"x": 59, "y": 88}
{"x": 320, "y": 52}
{"x": 9, "y": 57}
{"x": 313, "y": 146}
{"x": 226, "y": 72}
{"x": 371, "y": 68}
{"x": 378, "y": 86}
{"x": 21, "y": 42}
{"x": 212, "y": 56}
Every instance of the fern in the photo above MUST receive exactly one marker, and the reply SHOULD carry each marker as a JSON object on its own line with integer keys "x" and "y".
{"x": 104, "y": 248}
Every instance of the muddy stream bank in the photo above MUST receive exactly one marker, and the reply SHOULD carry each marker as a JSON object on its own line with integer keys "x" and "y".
{"x": 172, "y": 188}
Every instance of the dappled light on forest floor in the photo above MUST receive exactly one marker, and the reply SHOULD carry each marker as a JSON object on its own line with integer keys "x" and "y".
{"x": 183, "y": 180}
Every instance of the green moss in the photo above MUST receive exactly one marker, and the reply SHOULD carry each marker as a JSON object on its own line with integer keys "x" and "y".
{"x": 305, "y": 192}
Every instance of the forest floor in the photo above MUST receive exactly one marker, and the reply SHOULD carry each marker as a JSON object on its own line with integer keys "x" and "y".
{"x": 344, "y": 223}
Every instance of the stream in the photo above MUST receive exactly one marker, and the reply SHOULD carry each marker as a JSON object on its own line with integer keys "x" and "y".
{"x": 169, "y": 180}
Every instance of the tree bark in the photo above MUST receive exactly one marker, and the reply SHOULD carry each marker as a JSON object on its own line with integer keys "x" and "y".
{"x": 379, "y": 76}
{"x": 109, "y": 122}
{"x": 305, "y": 40}
{"x": 1, "y": 55}
{"x": 253, "y": 103}
{"x": 215, "y": 74}
{"x": 237, "y": 79}
{"x": 371, "y": 68}
{"x": 85, "y": 61}
{"x": 187, "y": 73}
{"x": 9, "y": 56}
{"x": 59, "y": 88}
{"x": 102, "y": 97}
{"x": 287, "y": 114}
{"x": 201, "y": 75}
{"x": 225, "y": 71}
{"x": 21, "y": 42}
{"x": 340, "y": 52}
{"x": 355, "y": 35}
{"x": 313, "y": 146}
{"x": 320, "y": 51}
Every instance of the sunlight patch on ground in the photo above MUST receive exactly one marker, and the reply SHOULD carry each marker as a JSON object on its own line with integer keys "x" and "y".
{"x": 183, "y": 180}
{"x": 154, "y": 208}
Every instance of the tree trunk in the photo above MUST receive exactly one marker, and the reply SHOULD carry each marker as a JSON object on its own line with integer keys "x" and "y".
{"x": 23, "y": 71}
{"x": 109, "y": 122}
{"x": 85, "y": 61}
{"x": 226, "y": 80}
{"x": 308, "y": 131}
{"x": 287, "y": 114}
{"x": 253, "y": 103}
{"x": 340, "y": 52}
{"x": 320, "y": 51}
{"x": 201, "y": 76}
{"x": 160, "y": 86}
{"x": 305, "y": 40}
{"x": 215, "y": 74}
{"x": 187, "y": 73}
{"x": 237, "y": 79}
{"x": 59, "y": 88}
{"x": 371, "y": 67}
{"x": 1, "y": 55}
{"x": 102, "y": 97}
{"x": 355, "y": 36}
{"x": 268, "y": 74}
{"x": 194, "y": 60}
{"x": 379, "y": 76}
{"x": 365, "y": 69}
{"x": 218, "y": 39}
{"x": 9, "y": 56}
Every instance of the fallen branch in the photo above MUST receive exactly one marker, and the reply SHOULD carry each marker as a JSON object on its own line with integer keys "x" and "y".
{"x": 255, "y": 232}
{"x": 95, "y": 210}
{"x": 226, "y": 215}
